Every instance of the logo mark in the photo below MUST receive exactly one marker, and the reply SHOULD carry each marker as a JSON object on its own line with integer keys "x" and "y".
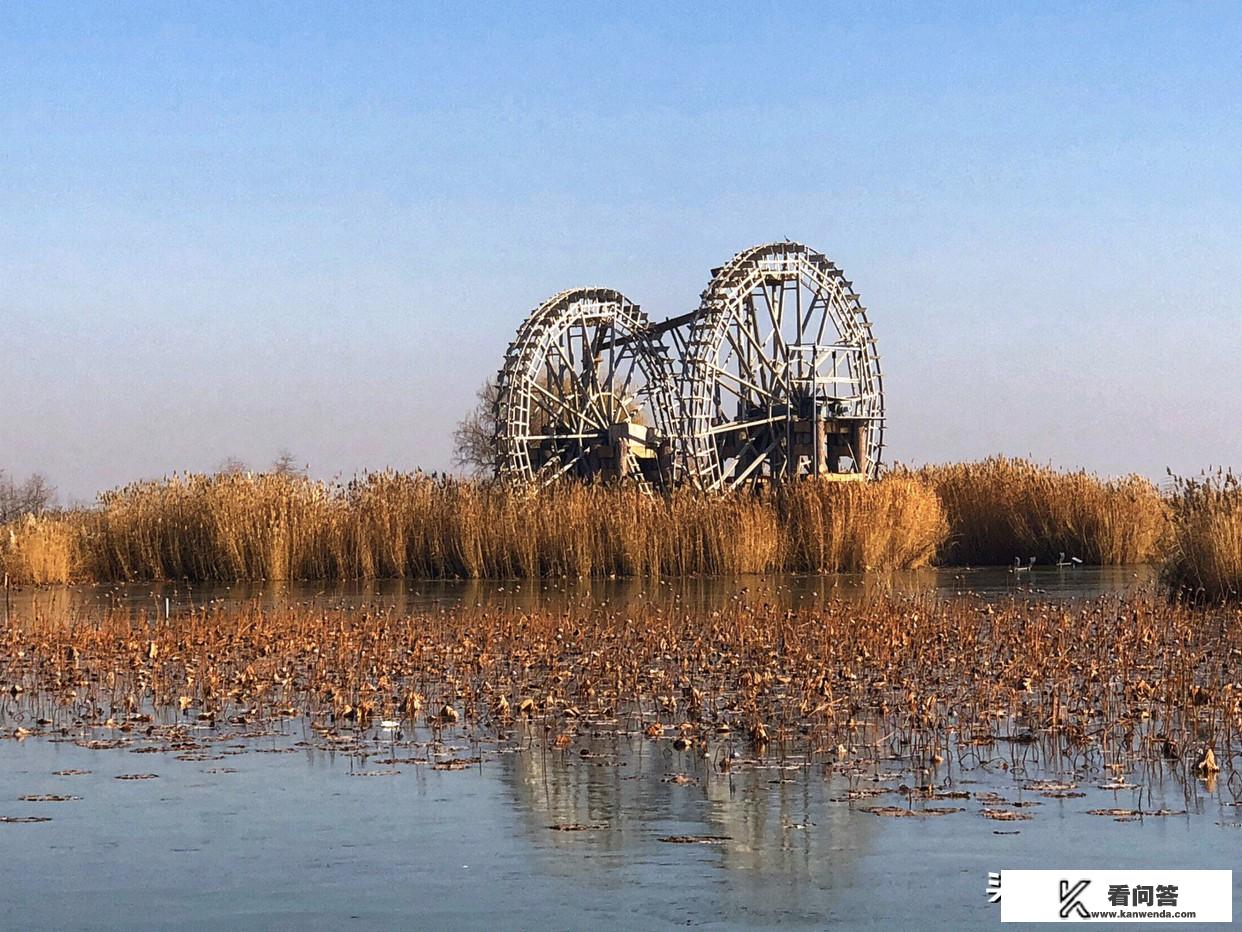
{"x": 1069, "y": 899}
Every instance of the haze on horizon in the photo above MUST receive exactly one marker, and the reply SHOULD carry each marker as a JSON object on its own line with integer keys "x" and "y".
{"x": 242, "y": 228}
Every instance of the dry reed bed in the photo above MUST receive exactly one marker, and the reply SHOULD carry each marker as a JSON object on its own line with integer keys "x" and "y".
{"x": 1001, "y": 508}
{"x": 1107, "y": 686}
{"x": 1205, "y": 557}
{"x": 234, "y": 527}
{"x": 251, "y": 527}
{"x": 40, "y": 550}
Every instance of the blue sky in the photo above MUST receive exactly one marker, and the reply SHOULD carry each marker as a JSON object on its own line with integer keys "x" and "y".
{"x": 227, "y": 229}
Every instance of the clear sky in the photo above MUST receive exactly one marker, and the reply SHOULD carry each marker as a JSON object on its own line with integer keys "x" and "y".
{"x": 227, "y": 229}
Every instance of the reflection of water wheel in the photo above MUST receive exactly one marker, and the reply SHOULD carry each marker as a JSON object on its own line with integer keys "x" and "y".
{"x": 585, "y": 391}
{"x": 780, "y": 376}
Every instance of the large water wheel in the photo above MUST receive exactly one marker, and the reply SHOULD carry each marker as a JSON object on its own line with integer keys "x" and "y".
{"x": 586, "y": 391}
{"x": 780, "y": 376}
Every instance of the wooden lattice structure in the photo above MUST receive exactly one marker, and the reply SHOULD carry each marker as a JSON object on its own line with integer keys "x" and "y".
{"x": 774, "y": 375}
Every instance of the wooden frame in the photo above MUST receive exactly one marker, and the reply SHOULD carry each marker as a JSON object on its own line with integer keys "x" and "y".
{"x": 774, "y": 376}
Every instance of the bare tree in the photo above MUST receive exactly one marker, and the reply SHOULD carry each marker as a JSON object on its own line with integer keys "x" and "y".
{"x": 474, "y": 439}
{"x": 34, "y": 496}
{"x": 286, "y": 464}
{"x": 231, "y": 466}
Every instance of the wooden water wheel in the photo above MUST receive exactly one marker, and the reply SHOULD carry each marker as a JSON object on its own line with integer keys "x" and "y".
{"x": 780, "y": 377}
{"x": 586, "y": 392}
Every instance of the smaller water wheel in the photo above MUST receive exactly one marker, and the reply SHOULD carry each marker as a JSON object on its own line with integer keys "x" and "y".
{"x": 586, "y": 392}
{"x": 780, "y": 375}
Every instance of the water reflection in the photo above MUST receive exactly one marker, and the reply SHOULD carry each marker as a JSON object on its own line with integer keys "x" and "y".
{"x": 774, "y": 813}
{"x": 298, "y": 842}
{"x": 703, "y": 594}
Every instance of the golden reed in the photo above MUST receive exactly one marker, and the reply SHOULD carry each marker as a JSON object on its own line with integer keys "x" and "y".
{"x": 383, "y": 525}
{"x": 1001, "y": 508}
{"x": 239, "y": 526}
{"x": 1205, "y": 554}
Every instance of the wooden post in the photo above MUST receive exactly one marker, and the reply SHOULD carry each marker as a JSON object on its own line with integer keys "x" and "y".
{"x": 858, "y": 441}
